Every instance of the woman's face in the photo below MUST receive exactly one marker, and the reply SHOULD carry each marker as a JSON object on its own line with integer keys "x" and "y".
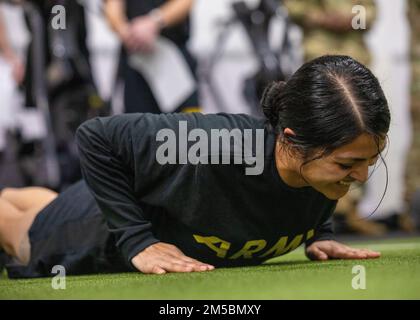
{"x": 332, "y": 175}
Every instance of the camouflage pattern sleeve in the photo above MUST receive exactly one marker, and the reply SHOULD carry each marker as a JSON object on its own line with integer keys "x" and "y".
{"x": 413, "y": 179}
{"x": 327, "y": 27}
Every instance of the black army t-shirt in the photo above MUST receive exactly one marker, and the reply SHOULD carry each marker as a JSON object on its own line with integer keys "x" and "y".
{"x": 172, "y": 178}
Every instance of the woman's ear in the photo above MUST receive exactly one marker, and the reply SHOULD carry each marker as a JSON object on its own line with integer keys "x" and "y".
{"x": 289, "y": 133}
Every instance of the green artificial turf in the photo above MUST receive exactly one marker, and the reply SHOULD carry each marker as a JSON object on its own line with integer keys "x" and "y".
{"x": 396, "y": 275}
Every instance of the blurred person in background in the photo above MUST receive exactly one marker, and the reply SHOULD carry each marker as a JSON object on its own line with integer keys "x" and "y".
{"x": 8, "y": 53}
{"x": 327, "y": 29}
{"x": 413, "y": 179}
{"x": 139, "y": 25}
{"x": 11, "y": 65}
{"x": 59, "y": 85}
{"x": 389, "y": 43}
{"x": 14, "y": 120}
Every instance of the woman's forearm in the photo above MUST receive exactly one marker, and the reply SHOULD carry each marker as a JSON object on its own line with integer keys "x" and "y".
{"x": 175, "y": 11}
{"x": 115, "y": 14}
{"x": 5, "y": 48}
{"x": 172, "y": 13}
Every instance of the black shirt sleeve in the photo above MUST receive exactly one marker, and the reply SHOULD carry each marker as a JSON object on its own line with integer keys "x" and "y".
{"x": 117, "y": 156}
{"x": 325, "y": 231}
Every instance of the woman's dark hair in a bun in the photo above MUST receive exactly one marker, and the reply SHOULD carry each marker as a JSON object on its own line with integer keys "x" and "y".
{"x": 268, "y": 103}
{"x": 328, "y": 102}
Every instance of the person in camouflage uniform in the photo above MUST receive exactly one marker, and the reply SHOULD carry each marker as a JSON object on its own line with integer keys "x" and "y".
{"x": 414, "y": 156}
{"x": 413, "y": 179}
{"x": 327, "y": 29}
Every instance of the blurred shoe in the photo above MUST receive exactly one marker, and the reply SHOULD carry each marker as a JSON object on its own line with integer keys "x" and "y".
{"x": 367, "y": 227}
{"x": 415, "y": 209}
{"x": 2, "y": 260}
{"x": 407, "y": 223}
{"x": 391, "y": 222}
{"x": 398, "y": 222}
{"x": 353, "y": 224}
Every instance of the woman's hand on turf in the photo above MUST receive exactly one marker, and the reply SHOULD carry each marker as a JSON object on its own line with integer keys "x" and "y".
{"x": 163, "y": 257}
{"x": 328, "y": 249}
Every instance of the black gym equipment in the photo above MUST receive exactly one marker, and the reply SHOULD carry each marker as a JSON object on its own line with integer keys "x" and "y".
{"x": 256, "y": 23}
{"x": 59, "y": 83}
